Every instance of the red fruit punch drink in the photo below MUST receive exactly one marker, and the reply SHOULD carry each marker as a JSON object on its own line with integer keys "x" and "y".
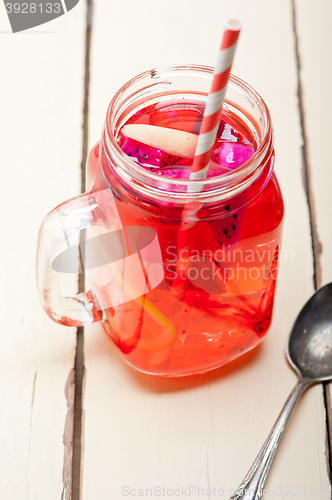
{"x": 215, "y": 299}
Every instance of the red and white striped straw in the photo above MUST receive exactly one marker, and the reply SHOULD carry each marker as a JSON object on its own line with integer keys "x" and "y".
{"x": 214, "y": 104}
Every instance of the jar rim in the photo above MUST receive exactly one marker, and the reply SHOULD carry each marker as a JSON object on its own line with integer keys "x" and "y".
{"x": 224, "y": 185}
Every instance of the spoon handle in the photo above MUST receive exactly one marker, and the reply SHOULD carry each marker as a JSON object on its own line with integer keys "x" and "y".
{"x": 252, "y": 486}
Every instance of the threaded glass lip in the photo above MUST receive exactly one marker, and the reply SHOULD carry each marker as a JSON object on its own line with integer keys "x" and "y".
{"x": 152, "y": 83}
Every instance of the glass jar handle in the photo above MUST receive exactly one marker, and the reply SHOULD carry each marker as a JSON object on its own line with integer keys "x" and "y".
{"x": 59, "y": 257}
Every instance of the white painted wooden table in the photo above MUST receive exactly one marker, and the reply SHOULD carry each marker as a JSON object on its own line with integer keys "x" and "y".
{"x": 136, "y": 432}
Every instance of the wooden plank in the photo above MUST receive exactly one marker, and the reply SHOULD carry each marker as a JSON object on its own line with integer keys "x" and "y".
{"x": 315, "y": 43}
{"x": 41, "y": 99}
{"x": 315, "y": 48}
{"x": 142, "y": 432}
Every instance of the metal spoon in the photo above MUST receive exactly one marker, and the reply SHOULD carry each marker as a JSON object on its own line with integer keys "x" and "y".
{"x": 309, "y": 352}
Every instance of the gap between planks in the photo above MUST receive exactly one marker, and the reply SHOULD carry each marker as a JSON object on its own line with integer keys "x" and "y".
{"x": 316, "y": 244}
{"x": 76, "y": 485}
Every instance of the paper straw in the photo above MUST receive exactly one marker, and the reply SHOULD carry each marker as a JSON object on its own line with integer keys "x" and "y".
{"x": 205, "y": 143}
{"x": 214, "y": 104}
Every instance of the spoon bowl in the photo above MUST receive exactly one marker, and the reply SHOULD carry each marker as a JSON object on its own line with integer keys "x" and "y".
{"x": 309, "y": 349}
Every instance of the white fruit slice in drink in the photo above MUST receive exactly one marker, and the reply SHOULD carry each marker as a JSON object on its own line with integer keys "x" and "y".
{"x": 173, "y": 142}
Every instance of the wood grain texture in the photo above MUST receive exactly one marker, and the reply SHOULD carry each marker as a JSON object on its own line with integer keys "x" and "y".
{"x": 41, "y": 98}
{"x": 204, "y": 432}
{"x": 314, "y": 26}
